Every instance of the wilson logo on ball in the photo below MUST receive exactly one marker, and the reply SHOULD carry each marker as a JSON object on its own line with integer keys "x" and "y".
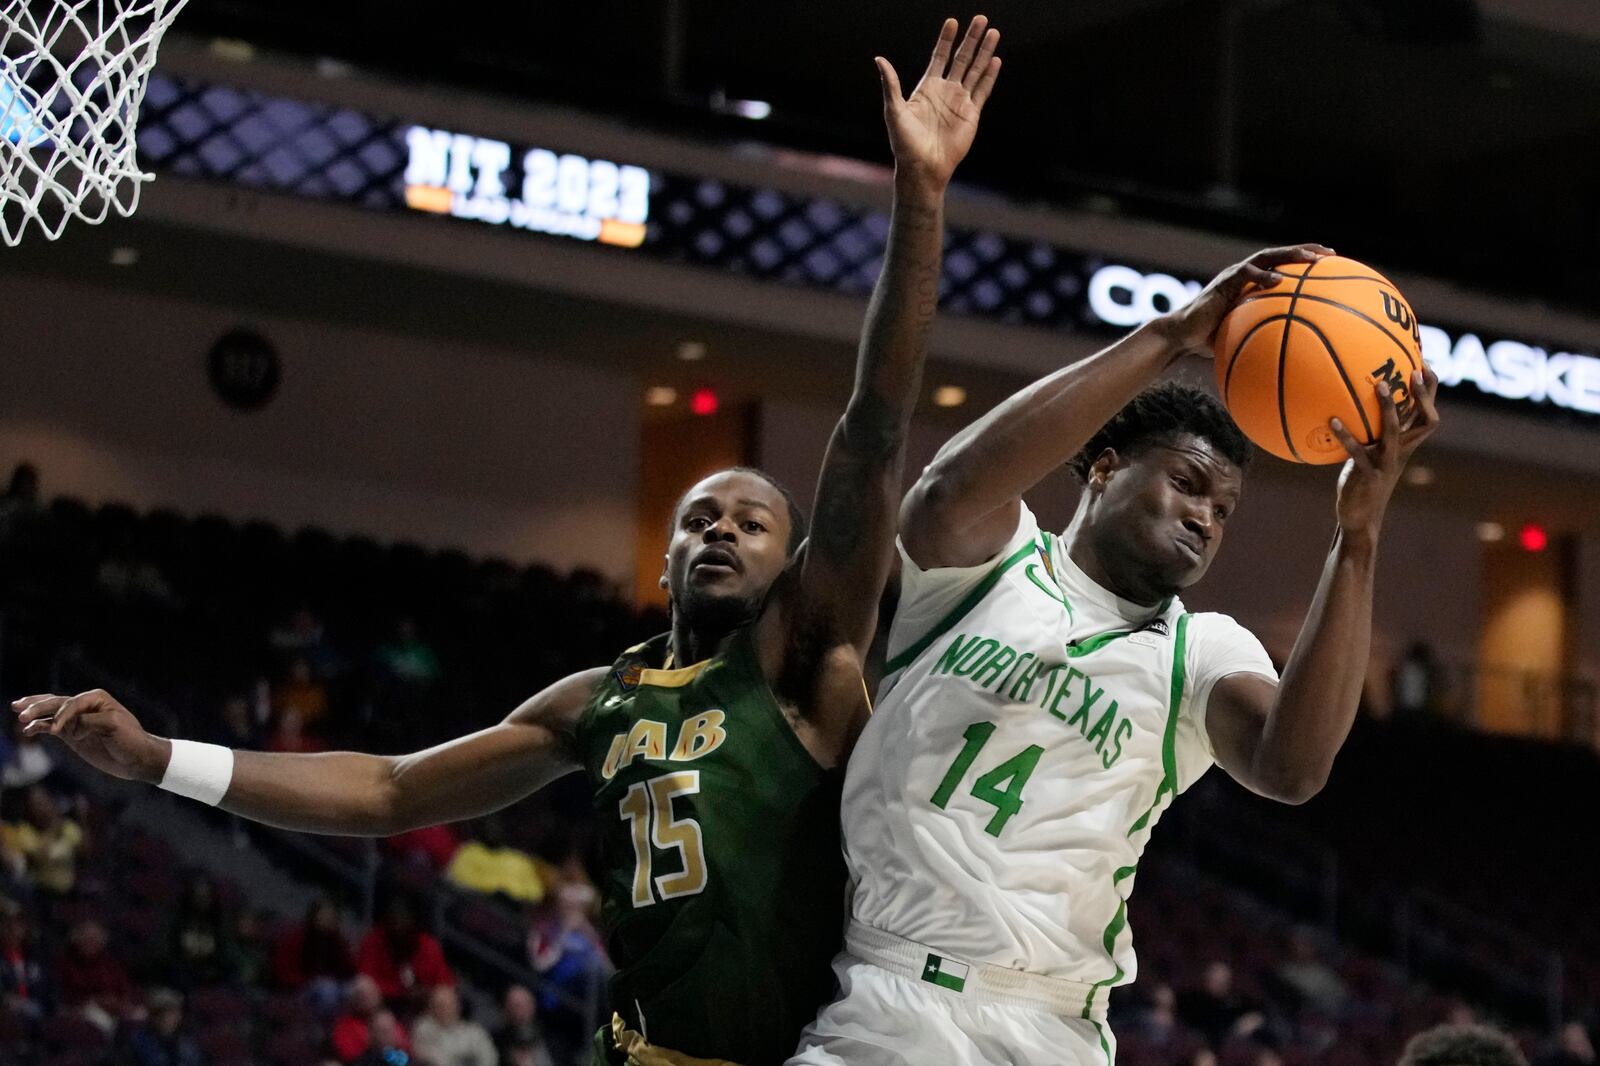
{"x": 1397, "y": 312}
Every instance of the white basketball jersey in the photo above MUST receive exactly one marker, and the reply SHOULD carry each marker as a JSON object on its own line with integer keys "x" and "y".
{"x": 1031, "y": 729}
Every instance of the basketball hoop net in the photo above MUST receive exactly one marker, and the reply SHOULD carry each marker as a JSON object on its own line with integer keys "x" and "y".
{"x": 72, "y": 77}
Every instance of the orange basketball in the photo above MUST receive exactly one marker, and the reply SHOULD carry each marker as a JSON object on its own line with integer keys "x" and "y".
{"x": 1313, "y": 348}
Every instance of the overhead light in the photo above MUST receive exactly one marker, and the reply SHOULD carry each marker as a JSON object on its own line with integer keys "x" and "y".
{"x": 232, "y": 49}
{"x": 752, "y": 109}
{"x": 660, "y": 396}
{"x": 949, "y": 396}
{"x": 704, "y": 402}
{"x": 124, "y": 256}
{"x": 1491, "y": 532}
{"x": 691, "y": 351}
{"x": 1419, "y": 475}
{"x": 1533, "y": 538}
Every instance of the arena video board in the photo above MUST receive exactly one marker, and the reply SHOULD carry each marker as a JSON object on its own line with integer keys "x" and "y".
{"x": 551, "y": 192}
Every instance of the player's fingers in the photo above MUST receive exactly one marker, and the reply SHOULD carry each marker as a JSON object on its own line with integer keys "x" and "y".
{"x": 1426, "y": 391}
{"x": 980, "y": 62}
{"x": 31, "y": 707}
{"x": 1390, "y": 420}
{"x": 941, "y": 49}
{"x": 1426, "y": 415}
{"x": 1289, "y": 253}
{"x": 71, "y": 709}
{"x": 985, "y": 86}
{"x": 1358, "y": 451}
{"x": 969, "y": 48}
{"x": 892, "y": 97}
{"x": 1261, "y": 276}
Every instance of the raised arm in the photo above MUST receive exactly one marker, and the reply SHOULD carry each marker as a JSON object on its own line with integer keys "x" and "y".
{"x": 1280, "y": 740}
{"x": 831, "y": 606}
{"x": 966, "y": 503}
{"x": 342, "y": 792}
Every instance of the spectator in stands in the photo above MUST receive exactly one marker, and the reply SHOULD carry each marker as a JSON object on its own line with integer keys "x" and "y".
{"x": 441, "y": 1037}
{"x": 235, "y": 725}
{"x": 29, "y": 760}
{"x": 1573, "y": 1047}
{"x": 520, "y": 1037}
{"x": 289, "y": 733}
{"x": 565, "y": 948}
{"x": 1156, "y": 1022}
{"x": 315, "y": 956}
{"x": 353, "y": 1033}
{"x": 50, "y": 842}
{"x": 24, "y": 984}
{"x": 1462, "y": 1045}
{"x": 405, "y": 959}
{"x": 252, "y": 946}
{"x": 15, "y": 884}
{"x": 388, "y": 1045}
{"x": 1415, "y": 683}
{"x": 432, "y": 846}
{"x": 199, "y": 941}
{"x": 1308, "y": 980}
{"x": 299, "y": 693}
{"x": 1216, "y": 1010}
{"x": 408, "y": 659}
{"x": 160, "y": 1039}
{"x": 491, "y": 866}
{"x": 304, "y": 637}
{"x": 21, "y": 496}
{"x": 89, "y": 980}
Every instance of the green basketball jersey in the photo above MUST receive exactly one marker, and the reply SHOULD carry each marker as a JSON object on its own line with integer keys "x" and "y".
{"x": 723, "y": 896}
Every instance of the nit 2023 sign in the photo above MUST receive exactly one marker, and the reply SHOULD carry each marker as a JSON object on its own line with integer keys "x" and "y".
{"x": 535, "y": 189}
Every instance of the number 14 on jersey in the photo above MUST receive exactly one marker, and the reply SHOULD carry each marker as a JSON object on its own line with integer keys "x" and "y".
{"x": 1001, "y": 787}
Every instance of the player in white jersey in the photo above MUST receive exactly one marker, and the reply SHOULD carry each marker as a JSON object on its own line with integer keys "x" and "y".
{"x": 1047, "y": 696}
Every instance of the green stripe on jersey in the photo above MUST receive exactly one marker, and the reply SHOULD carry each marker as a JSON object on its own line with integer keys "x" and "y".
{"x": 1094, "y": 643}
{"x": 962, "y": 609}
{"x": 946, "y": 973}
{"x": 1169, "y": 783}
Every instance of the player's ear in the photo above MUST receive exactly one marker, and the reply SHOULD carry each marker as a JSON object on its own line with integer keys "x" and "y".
{"x": 664, "y": 561}
{"x": 1100, "y": 471}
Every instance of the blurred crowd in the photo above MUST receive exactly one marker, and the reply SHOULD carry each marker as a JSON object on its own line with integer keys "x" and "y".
{"x": 112, "y": 950}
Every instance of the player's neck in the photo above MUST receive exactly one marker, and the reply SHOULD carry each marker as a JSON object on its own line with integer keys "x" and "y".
{"x": 1081, "y": 550}
{"x": 690, "y": 645}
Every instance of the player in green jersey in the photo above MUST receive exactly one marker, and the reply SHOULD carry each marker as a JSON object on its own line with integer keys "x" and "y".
{"x": 715, "y": 749}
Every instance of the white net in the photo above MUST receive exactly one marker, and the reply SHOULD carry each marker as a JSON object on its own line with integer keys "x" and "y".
{"x": 72, "y": 77}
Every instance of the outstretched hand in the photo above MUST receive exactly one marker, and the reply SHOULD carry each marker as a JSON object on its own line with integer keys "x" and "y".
{"x": 1372, "y": 471}
{"x": 932, "y": 131}
{"x": 103, "y": 732}
{"x": 1192, "y": 326}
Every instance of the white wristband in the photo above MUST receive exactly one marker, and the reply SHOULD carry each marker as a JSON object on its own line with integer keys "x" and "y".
{"x": 199, "y": 771}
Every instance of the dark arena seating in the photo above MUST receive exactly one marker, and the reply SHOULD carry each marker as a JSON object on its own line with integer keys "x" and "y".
{"x": 1256, "y": 945}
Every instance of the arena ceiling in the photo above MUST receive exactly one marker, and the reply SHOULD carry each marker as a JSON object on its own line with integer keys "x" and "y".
{"x": 1448, "y": 137}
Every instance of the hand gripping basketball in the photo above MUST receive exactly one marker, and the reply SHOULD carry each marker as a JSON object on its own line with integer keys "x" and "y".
{"x": 1372, "y": 471}
{"x": 1315, "y": 346}
{"x": 1192, "y": 326}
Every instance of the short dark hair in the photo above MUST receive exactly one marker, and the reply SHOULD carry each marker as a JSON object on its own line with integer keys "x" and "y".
{"x": 1462, "y": 1045}
{"x": 1159, "y": 415}
{"x": 797, "y": 517}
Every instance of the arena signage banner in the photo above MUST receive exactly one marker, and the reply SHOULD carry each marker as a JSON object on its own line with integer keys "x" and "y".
{"x": 565, "y": 195}
{"x": 1506, "y": 369}
{"x": 212, "y": 132}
